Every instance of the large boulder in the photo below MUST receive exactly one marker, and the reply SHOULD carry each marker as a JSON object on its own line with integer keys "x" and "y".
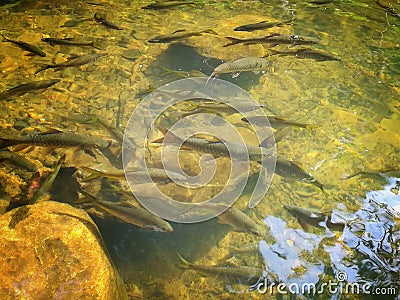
{"x": 51, "y": 250}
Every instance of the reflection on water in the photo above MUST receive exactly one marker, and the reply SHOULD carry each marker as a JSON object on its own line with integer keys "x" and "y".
{"x": 353, "y": 104}
{"x": 366, "y": 251}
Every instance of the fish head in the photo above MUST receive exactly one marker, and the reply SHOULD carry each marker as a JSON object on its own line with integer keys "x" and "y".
{"x": 304, "y": 39}
{"x": 164, "y": 228}
{"x": 102, "y": 144}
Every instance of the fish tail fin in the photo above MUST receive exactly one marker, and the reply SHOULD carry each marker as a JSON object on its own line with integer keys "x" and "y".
{"x": 209, "y": 77}
{"x": 288, "y": 21}
{"x": 166, "y": 132}
{"x": 5, "y": 39}
{"x": 210, "y": 31}
{"x": 90, "y": 198}
{"x": 98, "y": 45}
{"x": 274, "y": 52}
{"x": 42, "y": 69}
{"x": 93, "y": 174}
{"x": 192, "y": 106}
{"x": 184, "y": 264}
{"x": 166, "y": 71}
{"x": 310, "y": 127}
{"x": 233, "y": 41}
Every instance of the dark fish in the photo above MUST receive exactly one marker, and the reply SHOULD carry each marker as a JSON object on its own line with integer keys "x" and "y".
{"x": 74, "y": 62}
{"x": 115, "y": 132}
{"x": 178, "y": 35}
{"x": 371, "y": 174}
{"x": 242, "y": 106}
{"x": 272, "y": 140}
{"x": 166, "y": 4}
{"x": 274, "y": 39}
{"x": 67, "y": 41}
{"x": 261, "y": 25}
{"x": 25, "y": 46}
{"x": 137, "y": 176}
{"x": 242, "y": 274}
{"x": 277, "y": 122}
{"x": 389, "y": 9}
{"x": 184, "y": 74}
{"x": 28, "y": 87}
{"x": 247, "y": 249}
{"x": 131, "y": 214}
{"x": 56, "y": 139}
{"x": 101, "y": 18}
{"x": 73, "y": 23}
{"x": 46, "y": 185}
{"x": 315, "y": 219}
{"x": 254, "y": 64}
{"x": 219, "y": 149}
{"x": 289, "y": 169}
{"x": 236, "y": 219}
{"x": 81, "y": 118}
{"x": 18, "y": 160}
{"x": 308, "y": 53}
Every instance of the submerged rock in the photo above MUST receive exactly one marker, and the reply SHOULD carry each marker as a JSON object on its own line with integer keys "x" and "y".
{"x": 51, "y": 250}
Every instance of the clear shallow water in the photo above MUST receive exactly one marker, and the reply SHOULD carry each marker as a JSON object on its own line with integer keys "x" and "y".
{"x": 354, "y": 102}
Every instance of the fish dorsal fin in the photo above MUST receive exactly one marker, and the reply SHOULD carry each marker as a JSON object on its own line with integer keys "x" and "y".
{"x": 303, "y": 49}
{"x": 302, "y": 224}
{"x": 297, "y": 163}
{"x": 273, "y": 34}
{"x": 179, "y": 30}
{"x": 50, "y": 131}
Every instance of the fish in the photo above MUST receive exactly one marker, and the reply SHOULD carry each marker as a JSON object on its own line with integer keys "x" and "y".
{"x": 67, "y": 41}
{"x": 315, "y": 219}
{"x": 241, "y": 274}
{"x": 18, "y": 160}
{"x": 73, "y": 23}
{"x": 261, "y": 25}
{"x": 183, "y": 74}
{"x": 57, "y": 139}
{"x": 243, "y": 106}
{"x": 371, "y": 174}
{"x": 236, "y": 219}
{"x": 219, "y": 149}
{"x": 131, "y": 214}
{"x": 277, "y": 122}
{"x": 115, "y": 132}
{"x": 165, "y": 5}
{"x": 27, "y": 88}
{"x": 74, "y": 62}
{"x": 81, "y": 118}
{"x": 289, "y": 169}
{"x": 179, "y": 35}
{"x": 45, "y": 186}
{"x": 254, "y": 64}
{"x": 389, "y": 9}
{"x": 101, "y": 18}
{"x": 274, "y": 39}
{"x": 308, "y": 53}
{"x": 246, "y": 249}
{"x": 272, "y": 140}
{"x": 137, "y": 176}
{"x": 26, "y": 46}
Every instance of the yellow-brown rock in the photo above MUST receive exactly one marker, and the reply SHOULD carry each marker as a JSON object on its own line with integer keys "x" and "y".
{"x": 51, "y": 250}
